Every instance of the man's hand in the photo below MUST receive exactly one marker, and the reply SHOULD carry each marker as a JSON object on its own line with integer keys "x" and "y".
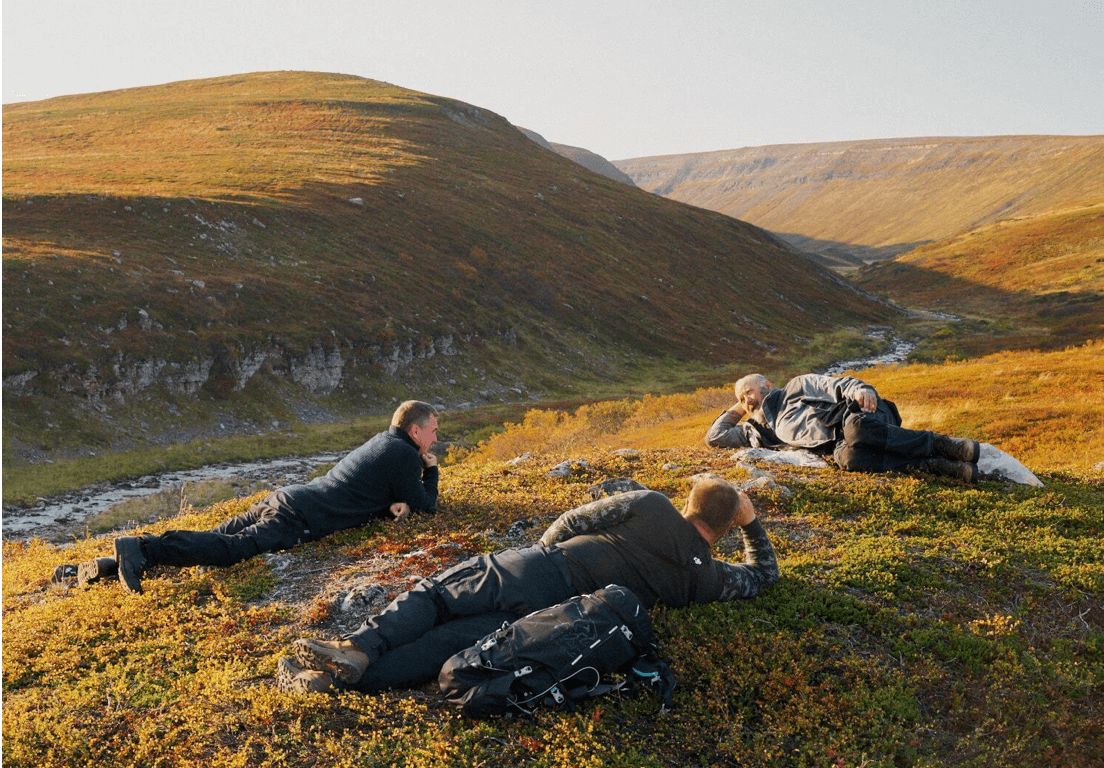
{"x": 429, "y": 459}
{"x": 867, "y": 400}
{"x": 737, "y": 411}
{"x": 399, "y": 510}
{"x": 745, "y": 510}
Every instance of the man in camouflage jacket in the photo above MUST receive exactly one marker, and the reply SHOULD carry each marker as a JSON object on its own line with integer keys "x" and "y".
{"x": 639, "y": 540}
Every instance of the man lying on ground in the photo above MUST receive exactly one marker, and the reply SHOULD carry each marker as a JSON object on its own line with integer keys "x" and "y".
{"x": 842, "y": 416}
{"x": 638, "y": 540}
{"x": 385, "y": 478}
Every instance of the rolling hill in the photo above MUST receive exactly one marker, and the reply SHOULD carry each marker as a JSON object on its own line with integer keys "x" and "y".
{"x": 1033, "y": 281}
{"x": 855, "y": 201}
{"x": 583, "y": 157}
{"x": 308, "y": 242}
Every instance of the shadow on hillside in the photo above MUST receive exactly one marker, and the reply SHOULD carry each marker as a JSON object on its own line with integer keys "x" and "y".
{"x": 1022, "y": 319}
{"x": 834, "y": 254}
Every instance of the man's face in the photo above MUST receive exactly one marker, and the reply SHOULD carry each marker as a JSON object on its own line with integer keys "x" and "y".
{"x": 752, "y": 398}
{"x": 425, "y": 436}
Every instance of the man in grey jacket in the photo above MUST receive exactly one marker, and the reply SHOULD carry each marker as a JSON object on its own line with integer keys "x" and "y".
{"x": 842, "y": 416}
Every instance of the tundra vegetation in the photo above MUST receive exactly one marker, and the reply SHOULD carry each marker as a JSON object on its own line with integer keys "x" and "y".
{"x": 918, "y": 621}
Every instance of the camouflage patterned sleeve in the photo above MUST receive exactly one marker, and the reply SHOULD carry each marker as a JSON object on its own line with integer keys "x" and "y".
{"x": 591, "y": 517}
{"x": 759, "y": 569}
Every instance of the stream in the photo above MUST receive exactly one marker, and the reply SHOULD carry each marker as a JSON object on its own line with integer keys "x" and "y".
{"x": 61, "y": 518}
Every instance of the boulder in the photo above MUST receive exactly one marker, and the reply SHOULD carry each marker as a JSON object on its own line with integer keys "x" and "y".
{"x": 995, "y": 464}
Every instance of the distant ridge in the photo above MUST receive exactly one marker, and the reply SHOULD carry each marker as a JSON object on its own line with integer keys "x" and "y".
{"x": 862, "y": 200}
{"x": 583, "y": 157}
{"x": 320, "y": 242}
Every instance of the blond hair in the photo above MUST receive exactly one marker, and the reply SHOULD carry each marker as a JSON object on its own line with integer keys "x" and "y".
{"x": 412, "y": 412}
{"x": 713, "y": 502}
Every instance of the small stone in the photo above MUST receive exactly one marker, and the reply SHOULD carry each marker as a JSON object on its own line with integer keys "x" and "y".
{"x": 614, "y": 486}
{"x": 568, "y": 468}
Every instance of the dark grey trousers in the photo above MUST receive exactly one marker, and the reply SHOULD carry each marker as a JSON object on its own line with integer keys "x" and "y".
{"x": 419, "y": 662}
{"x": 872, "y": 442}
{"x": 514, "y": 582}
{"x": 268, "y": 526}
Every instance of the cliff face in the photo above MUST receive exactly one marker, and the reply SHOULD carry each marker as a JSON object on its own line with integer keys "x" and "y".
{"x": 868, "y": 199}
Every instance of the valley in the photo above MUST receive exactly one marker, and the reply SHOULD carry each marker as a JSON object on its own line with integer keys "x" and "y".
{"x": 232, "y": 271}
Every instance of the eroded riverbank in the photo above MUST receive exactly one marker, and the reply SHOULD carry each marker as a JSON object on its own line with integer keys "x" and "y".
{"x": 63, "y": 518}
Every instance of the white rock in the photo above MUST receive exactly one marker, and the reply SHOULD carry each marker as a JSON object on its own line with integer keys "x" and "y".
{"x": 994, "y": 462}
{"x": 568, "y": 468}
{"x": 798, "y": 458}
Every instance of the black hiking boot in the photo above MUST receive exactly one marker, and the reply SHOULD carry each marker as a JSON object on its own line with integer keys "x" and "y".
{"x": 92, "y": 571}
{"x": 957, "y": 448}
{"x": 65, "y": 574}
{"x": 131, "y": 562}
{"x": 962, "y": 470}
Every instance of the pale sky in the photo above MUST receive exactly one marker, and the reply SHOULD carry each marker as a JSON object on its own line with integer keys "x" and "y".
{"x": 623, "y": 79}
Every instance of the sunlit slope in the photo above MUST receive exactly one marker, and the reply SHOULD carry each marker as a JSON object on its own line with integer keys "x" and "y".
{"x": 875, "y": 198}
{"x": 325, "y": 214}
{"x": 1046, "y": 409}
{"x": 1042, "y": 275}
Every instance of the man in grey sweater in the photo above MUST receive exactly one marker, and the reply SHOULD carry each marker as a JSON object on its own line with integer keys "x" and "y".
{"x": 842, "y": 416}
{"x": 386, "y": 478}
{"x": 639, "y": 540}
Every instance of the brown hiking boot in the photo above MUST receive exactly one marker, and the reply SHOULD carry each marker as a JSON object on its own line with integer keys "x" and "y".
{"x": 963, "y": 470}
{"x": 92, "y": 571}
{"x": 958, "y": 448}
{"x": 341, "y": 658}
{"x": 292, "y": 677}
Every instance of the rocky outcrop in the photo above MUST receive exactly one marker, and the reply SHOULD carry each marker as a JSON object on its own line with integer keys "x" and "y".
{"x": 320, "y": 370}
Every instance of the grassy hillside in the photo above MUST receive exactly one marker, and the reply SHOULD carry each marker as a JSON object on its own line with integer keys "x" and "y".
{"x": 1004, "y": 399}
{"x": 918, "y": 622}
{"x": 262, "y": 246}
{"x": 594, "y": 162}
{"x": 1029, "y": 282}
{"x": 871, "y": 199}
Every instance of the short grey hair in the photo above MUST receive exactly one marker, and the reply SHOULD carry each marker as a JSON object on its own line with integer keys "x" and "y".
{"x": 750, "y": 382}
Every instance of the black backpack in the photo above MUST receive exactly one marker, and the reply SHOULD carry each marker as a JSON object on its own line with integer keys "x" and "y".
{"x": 559, "y": 656}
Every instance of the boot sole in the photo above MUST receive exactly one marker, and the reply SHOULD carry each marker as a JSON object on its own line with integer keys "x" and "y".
{"x": 288, "y": 678}
{"x": 92, "y": 572}
{"x": 314, "y": 656}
